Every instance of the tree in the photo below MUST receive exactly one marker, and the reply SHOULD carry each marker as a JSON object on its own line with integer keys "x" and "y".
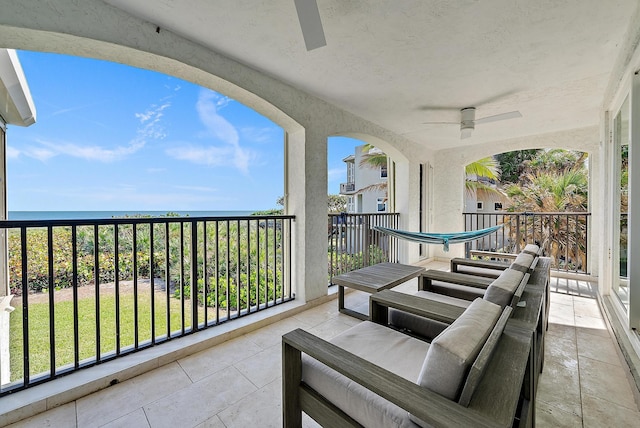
{"x": 335, "y": 204}
{"x": 373, "y": 159}
{"x": 478, "y": 172}
{"x": 512, "y": 163}
{"x": 553, "y": 181}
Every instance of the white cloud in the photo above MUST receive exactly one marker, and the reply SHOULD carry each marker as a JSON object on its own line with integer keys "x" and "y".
{"x": 150, "y": 129}
{"x": 208, "y": 105}
{"x": 12, "y": 153}
{"x": 258, "y": 135}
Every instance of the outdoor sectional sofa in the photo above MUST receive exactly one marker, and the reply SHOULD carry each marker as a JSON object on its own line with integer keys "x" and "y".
{"x": 481, "y": 370}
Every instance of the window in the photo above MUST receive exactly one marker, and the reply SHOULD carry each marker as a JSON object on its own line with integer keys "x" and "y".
{"x": 350, "y": 205}
{"x": 383, "y": 171}
{"x": 497, "y": 206}
{"x": 480, "y": 206}
{"x": 382, "y": 205}
{"x": 350, "y": 172}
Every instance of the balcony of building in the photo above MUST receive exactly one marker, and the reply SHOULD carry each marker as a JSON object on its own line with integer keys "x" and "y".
{"x": 570, "y": 69}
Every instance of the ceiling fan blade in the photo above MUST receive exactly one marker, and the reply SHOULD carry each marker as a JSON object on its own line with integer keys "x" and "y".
{"x": 502, "y": 116}
{"x": 441, "y": 123}
{"x": 310, "y": 23}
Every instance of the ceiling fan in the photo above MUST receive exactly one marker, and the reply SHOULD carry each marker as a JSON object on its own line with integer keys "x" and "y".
{"x": 468, "y": 120}
{"x": 310, "y": 23}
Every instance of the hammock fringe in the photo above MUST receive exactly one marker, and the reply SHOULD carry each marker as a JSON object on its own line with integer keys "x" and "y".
{"x": 438, "y": 238}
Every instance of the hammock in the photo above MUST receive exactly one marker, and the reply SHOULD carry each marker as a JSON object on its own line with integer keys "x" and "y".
{"x": 438, "y": 238}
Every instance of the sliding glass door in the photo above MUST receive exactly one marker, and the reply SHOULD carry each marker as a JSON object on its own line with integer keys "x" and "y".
{"x": 621, "y": 138}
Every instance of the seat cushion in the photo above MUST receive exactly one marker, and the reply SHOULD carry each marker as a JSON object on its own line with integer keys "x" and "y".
{"x": 392, "y": 350}
{"x": 502, "y": 289}
{"x": 453, "y": 351}
{"x": 426, "y": 328}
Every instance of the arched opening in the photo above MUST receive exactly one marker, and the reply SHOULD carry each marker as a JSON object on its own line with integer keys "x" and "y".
{"x": 540, "y": 195}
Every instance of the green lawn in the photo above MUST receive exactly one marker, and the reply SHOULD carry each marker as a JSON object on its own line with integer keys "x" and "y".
{"x": 64, "y": 337}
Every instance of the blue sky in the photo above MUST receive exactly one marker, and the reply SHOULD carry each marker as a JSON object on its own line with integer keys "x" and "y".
{"x": 114, "y": 137}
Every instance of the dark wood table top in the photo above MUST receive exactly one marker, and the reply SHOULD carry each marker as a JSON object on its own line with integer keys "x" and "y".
{"x": 378, "y": 277}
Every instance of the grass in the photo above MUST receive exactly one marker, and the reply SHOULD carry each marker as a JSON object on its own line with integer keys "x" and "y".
{"x": 39, "y": 354}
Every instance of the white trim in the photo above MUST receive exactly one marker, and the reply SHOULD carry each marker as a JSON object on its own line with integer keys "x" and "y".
{"x": 13, "y": 80}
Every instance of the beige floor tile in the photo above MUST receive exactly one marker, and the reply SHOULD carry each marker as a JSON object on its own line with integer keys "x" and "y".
{"x": 561, "y": 331}
{"x": 212, "y": 360}
{"x": 212, "y": 422}
{"x": 319, "y": 314}
{"x": 191, "y": 406}
{"x": 597, "y": 347}
{"x": 262, "y": 408}
{"x": 559, "y": 387}
{"x": 263, "y": 367}
{"x": 604, "y": 380}
{"x": 601, "y": 413}
{"x": 271, "y": 335}
{"x": 549, "y": 416}
{"x": 586, "y": 307}
{"x": 562, "y": 314}
{"x": 63, "y": 416}
{"x": 121, "y": 399}
{"x": 591, "y": 325}
{"x": 561, "y": 299}
{"x": 135, "y": 419}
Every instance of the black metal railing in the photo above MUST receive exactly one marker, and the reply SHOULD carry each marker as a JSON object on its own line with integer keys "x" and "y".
{"x": 563, "y": 236}
{"x": 354, "y": 244}
{"x": 87, "y": 291}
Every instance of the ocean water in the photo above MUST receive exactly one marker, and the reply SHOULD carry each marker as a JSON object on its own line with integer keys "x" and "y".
{"x": 92, "y": 215}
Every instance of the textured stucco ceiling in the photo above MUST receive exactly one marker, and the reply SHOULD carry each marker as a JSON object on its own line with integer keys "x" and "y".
{"x": 403, "y": 63}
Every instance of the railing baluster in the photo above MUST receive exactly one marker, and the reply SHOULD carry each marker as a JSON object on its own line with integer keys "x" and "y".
{"x": 217, "y": 272}
{"x": 25, "y": 308}
{"x": 52, "y": 305}
{"x": 134, "y": 250}
{"x": 152, "y": 284}
{"x": 76, "y": 329}
{"x": 238, "y": 284}
{"x": 205, "y": 274}
{"x": 228, "y": 272}
{"x": 194, "y": 276}
{"x": 116, "y": 256}
{"x": 167, "y": 279}
{"x": 181, "y": 252}
{"x": 96, "y": 280}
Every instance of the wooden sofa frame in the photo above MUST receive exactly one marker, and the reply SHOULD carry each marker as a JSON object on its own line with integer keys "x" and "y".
{"x": 505, "y": 393}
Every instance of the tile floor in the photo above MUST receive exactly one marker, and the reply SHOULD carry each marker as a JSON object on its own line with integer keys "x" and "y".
{"x": 238, "y": 383}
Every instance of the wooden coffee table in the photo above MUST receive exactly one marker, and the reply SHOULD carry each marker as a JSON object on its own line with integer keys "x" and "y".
{"x": 373, "y": 279}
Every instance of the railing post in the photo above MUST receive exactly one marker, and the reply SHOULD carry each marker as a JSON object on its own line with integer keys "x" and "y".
{"x": 366, "y": 240}
{"x": 194, "y": 275}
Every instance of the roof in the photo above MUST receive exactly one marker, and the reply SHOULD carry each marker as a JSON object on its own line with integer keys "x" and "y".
{"x": 16, "y": 104}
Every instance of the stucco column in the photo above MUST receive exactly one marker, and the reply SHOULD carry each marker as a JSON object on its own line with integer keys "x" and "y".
{"x": 407, "y": 202}
{"x": 306, "y": 198}
{"x": 448, "y": 200}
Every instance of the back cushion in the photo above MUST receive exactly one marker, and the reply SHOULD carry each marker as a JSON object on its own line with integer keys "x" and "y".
{"x": 501, "y": 290}
{"x": 453, "y": 351}
{"x": 524, "y": 260}
{"x": 531, "y": 248}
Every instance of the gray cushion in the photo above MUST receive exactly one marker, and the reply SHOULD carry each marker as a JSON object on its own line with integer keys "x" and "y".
{"x": 502, "y": 288}
{"x": 392, "y": 350}
{"x": 453, "y": 351}
{"x": 532, "y": 248}
{"x": 524, "y": 259}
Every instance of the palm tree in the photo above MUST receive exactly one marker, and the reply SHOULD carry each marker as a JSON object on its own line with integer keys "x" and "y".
{"x": 555, "y": 181}
{"x": 373, "y": 159}
{"x": 486, "y": 168}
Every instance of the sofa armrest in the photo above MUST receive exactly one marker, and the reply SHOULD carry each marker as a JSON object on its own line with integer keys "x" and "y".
{"x": 379, "y": 304}
{"x": 422, "y": 403}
